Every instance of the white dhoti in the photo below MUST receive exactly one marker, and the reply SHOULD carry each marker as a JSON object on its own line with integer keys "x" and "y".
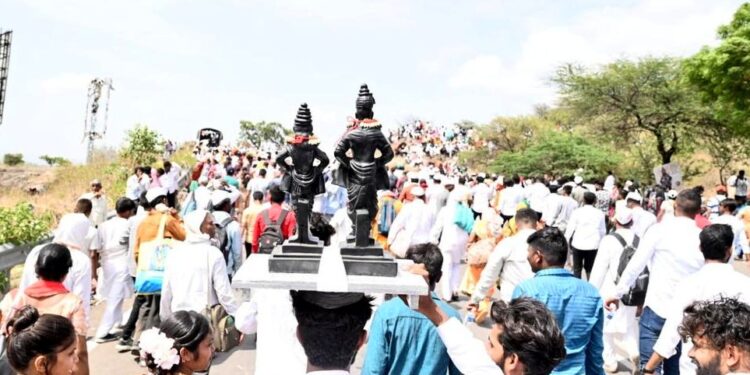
{"x": 117, "y": 286}
{"x": 453, "y": 247}
{"x": 621, "y": 335}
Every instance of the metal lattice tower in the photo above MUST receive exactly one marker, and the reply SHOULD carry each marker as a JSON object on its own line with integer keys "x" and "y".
{"x": 5, "y": 38}
{"x": 97, "y": 87}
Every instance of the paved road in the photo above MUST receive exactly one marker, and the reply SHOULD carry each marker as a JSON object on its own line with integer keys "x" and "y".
{"x": 104, "y": 359}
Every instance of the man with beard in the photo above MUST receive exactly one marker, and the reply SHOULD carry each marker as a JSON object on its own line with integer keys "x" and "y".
{"x": 719, "y": 331}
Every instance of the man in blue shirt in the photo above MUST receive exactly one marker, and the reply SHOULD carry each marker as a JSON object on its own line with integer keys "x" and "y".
{"x": 576, "y": 304}
{"x": 403, "y": 341}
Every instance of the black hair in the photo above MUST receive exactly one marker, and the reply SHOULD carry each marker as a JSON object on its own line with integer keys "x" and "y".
{"x": 551, "y": 243}
{"x": 508, "y": 183}
{"x": 167, "y": 164}
{"x": 157, "y": 200}
{"x": 516, "y": 179}
{"x": 276, "y": 195}
{"x": 461, "y": 180}
{"x": 262, "y": 172}
{"x": 689, "y": 202}
{"x": 480, "y": 179}
{"x": 137, "y": 169}
{"x": 54, "y": 262}
{"x": 729, "y": 204}
{"x": 567, "y": 189}
{"x": 330, "y": 336}
{"x": 124, "y": 205}
{"x": 257, "y": 196}
{"x": 84, "y": 206}
{"x": 143, "y": 202}
{"x": 188, "y": 329}
{"x": 530, "y": 331}
{"x": 715, "y": 240}
{"x": 31, "y": 334}
{"x": 527, "y": 216}
{"x": 589, "y": 198}
{"x": 723, "y": 321}
{"x": 428, "y": 254}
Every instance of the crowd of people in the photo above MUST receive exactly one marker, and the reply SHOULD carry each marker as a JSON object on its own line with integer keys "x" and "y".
{"x": 586, "y": 273}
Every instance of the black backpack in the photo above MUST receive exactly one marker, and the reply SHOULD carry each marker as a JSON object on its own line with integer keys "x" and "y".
{"x": 636, "y": 296}
{"x": 272, "y": 235}
{"x": 223, "y": 236}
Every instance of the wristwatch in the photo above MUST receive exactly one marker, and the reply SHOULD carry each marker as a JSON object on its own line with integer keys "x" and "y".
{"x": 644, "y": 370}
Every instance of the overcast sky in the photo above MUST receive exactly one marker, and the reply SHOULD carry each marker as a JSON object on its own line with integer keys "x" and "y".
{"x": 182, "y": 65}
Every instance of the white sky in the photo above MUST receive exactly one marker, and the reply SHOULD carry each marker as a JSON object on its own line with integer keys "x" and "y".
{"x": 182, "y": 65}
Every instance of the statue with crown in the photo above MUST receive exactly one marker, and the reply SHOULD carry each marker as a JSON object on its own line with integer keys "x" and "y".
{"x": 303, "y": 179}
{"x": 364, "y": 173}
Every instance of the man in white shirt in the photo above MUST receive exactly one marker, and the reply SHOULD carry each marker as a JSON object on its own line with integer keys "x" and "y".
{"x": 480, "y": 196}
{"x": 415, "y": 218}
{"x": 331, "y": 328}
{"x": 620, "y": 328}
{"x": 552, "y": 215}
{"x": 715, "y": 279}
{"x": 537, "y": 194}
{"x": 642, "y": 219}
{"x": 437, "y": 194}
{"x": 584, "y": 232}
{"x": 524, "y": 339}
{"x": 508, "y": 261}
{"x": 202, "y": 194}
{"x": 672, "y": 251}
{"x": 259, "y": 182}
{"x": 98, "y": 203}
{"x": 195, "y": 274}
{"x": 113, "y": 257}
{"x": 133, "y": 187}
{"x": 727, "y": 208}
{"x": 170, "y": 181}
{"x": 511, "y": 197}
{"x": 609, "y": 182}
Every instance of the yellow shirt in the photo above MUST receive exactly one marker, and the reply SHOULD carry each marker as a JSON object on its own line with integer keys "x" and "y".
{"x": 248, "y": 220}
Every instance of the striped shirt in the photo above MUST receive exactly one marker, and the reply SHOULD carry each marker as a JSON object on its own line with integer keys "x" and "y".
{"x": 580, "y": 313}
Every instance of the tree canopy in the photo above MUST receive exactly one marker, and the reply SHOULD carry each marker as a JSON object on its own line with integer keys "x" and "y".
{"x": 142, "y": 146}
{"x": 625, "y": 98}
{"x": 722, "y": 74}
{"x": 261, "y": 132}
{"x": 559, "y": 152}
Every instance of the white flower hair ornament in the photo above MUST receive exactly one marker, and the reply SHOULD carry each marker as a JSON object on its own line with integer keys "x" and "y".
{"x": 160, "y": 347}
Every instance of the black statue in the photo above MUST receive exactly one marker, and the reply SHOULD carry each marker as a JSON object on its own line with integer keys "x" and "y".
{"x": 303, "y": 179}
{"x": 365, "y": 172}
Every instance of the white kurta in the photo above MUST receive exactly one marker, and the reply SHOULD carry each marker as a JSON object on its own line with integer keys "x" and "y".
{"x": 416, "y": 219}
{"x": 623, "y": 326}
{"x": 188, "y": 271}
{"x": 453, "y": 241}
{"x": 117, "y": 284}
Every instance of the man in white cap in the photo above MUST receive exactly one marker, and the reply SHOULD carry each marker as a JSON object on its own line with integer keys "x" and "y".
{"x": 621, "y": 328}
{"x": 228, "y": 231}
{"x": 98, "y": 203}
{"x": 437, "y": 194}
{"x": 578, "y": 190}
{"x": 202, "y": 194}
{"x": 642, "y": 219}
{"x": 414, "y": 218}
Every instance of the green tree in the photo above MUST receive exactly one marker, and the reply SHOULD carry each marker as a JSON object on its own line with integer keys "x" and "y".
{"x": 54, "y": 160}
{"x": 722, "y": 73}
{"x": 13, "y": 159}
{"x": 626, "y": 98}
{"x": 559, "y": 153}
{"x": 142, "y": 146}
{"x": 258, "y": 133}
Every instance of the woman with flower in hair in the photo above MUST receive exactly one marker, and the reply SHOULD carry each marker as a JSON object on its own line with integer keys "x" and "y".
{"x": 182, "y": 345}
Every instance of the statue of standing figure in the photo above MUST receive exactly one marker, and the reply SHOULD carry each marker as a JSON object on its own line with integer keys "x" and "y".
{"x": 365, "y": 172}
{"x": 303, "y": 179}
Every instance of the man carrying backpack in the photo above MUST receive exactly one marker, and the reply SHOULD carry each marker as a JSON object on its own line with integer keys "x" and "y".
{"x": 612, "y": 258}
{"x": 228, "y": 232}
{"x": 274, "y": 224}
{"x": 671, "y": 249}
